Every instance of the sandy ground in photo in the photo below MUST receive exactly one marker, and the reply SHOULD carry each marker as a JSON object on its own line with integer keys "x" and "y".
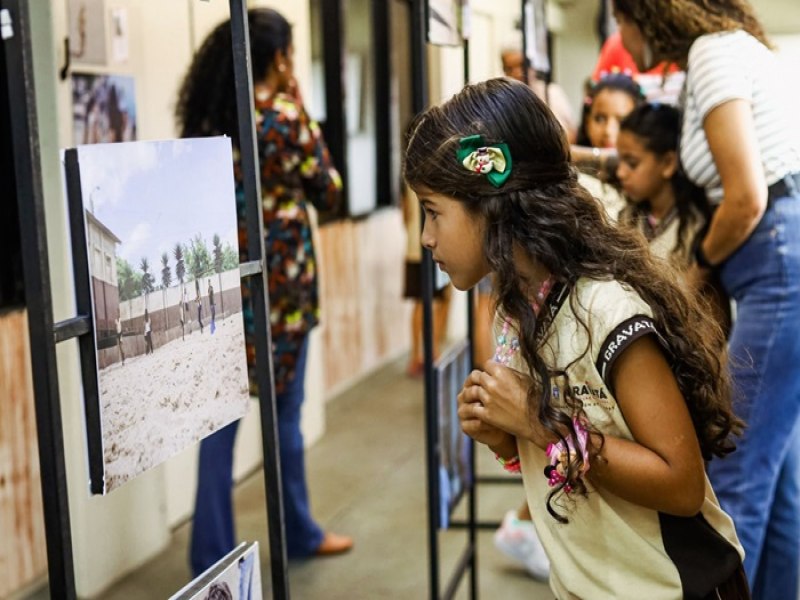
{"x": 158, "y": 404}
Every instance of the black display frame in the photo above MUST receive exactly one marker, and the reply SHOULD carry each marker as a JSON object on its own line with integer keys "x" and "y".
{"x": 45, "y": 334}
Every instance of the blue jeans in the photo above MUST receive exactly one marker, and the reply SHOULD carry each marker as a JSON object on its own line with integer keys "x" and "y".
{"x": 212, "y": 528}
{"x": 758, "y": 484}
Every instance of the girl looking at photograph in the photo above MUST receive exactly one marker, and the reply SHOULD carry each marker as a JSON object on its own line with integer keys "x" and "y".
{"x": 607, "y": 391}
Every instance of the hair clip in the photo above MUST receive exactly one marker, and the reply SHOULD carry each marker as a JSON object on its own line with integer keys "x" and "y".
{"x": 493, "y": 161}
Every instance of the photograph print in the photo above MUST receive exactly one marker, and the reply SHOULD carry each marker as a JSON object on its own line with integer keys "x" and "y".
{"x": 236, "y": 576}
{"x": 536, "y": 35}
{"x": 443, "y": 22}
{"x": 103, "y": 109}
{"x": 455, "y": 447}
{"x": 87, "y": 32}
{"x": 162, "y": 244}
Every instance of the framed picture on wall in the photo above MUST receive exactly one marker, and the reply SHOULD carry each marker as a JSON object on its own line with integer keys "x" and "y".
{"x": 455, "y": 447}
{"x": 87, "y": 32}
{"x": 236, "y": 576}
{"x": 443, "y": 22}
{"x": 160, "y": 237}
{"x": 103, "y": 108}
{"x": 537, "y": 43}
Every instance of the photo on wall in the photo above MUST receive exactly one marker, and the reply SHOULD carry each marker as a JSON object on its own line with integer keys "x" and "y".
{"x": 161, "y": 237}
{"x": 455, "y": 447}
{"x": 103, "y": 109}
{"x": 236, "y": 576}
{"x": 536, "y": 35}
{"x": 87, "y": 32}
{"x": 443, "y": 22}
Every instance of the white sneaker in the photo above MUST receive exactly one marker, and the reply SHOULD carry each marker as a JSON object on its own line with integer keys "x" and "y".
{"x": 517, "y": 539}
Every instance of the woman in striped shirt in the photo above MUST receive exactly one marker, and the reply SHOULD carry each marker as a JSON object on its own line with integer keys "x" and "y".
{"x": 738, "y": 143}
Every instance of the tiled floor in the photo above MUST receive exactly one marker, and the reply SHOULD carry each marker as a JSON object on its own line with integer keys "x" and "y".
{"x": 366, "y": 479}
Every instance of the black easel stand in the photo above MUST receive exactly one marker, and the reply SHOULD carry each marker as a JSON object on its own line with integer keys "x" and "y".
{"x": 468, "y": 558}
{"x": 36, "y": 272}
{"x": 260, "y": 299}
{"x": 44, "y": 334}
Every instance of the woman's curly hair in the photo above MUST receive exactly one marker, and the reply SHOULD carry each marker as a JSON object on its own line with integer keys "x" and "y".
{"x": 671, "y": 26}
{"x": 544, "y": 211}
{"x": 207, "y": 99}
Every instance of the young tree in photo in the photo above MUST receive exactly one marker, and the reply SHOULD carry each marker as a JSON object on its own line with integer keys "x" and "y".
{"x": 148, "y": 281}
{"x": 128, "y": 281}
{"x": 230, "y": 258}
{"x": 166, "y": 281}
{"x": 198, "y": 258}
{"x": 180, "y": 267}
{"x": 218, "y": 263}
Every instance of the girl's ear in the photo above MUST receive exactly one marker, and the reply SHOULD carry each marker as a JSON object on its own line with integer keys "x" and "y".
{"x": 669, "y": 164}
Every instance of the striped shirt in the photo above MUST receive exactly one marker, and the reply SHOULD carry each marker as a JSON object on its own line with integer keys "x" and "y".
{"x": 734, "y": 65}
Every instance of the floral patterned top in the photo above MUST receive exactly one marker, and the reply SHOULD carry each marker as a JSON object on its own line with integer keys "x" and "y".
{"x": 295, "y": 168}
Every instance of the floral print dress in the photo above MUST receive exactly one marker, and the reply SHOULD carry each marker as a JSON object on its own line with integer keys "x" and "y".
{"x": 295, "y": 169}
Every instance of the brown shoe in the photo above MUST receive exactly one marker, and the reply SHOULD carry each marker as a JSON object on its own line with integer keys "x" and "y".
{"x": 333, "y": 544}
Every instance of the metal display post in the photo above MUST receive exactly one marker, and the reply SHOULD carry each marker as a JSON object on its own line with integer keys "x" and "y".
{"x": 468, "y": 557}
{"x": 17, "y": 47}
{"x": 419, "y": 102}
{"x": 472, "y": 498}
{"x": 15, "y": 35}
{"x": 260, "y": 298}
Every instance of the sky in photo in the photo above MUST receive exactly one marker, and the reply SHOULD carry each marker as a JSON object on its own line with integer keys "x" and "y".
{"x": 152, "y": 195}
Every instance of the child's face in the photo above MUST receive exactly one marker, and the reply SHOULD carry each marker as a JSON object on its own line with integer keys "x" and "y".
{"x": 642, "y": 173}
{"x": 608, "y": 109}
{"x": 455, "y": 238}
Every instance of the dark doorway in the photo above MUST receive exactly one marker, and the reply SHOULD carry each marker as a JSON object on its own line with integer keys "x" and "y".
{"x": 11, "y": 282}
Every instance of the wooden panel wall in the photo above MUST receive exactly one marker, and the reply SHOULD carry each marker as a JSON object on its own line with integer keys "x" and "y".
{"x": 365, "y": 320}
{"x": 22, "y": 544}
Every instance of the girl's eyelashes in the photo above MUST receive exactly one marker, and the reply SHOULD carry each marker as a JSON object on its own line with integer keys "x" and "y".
{"x": 429, "y": 212}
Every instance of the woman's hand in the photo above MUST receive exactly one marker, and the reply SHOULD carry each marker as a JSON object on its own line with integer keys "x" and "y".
{"x": 500, "y": 399}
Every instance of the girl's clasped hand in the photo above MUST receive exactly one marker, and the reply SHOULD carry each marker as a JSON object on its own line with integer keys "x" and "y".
{"x": 489, "y": 406}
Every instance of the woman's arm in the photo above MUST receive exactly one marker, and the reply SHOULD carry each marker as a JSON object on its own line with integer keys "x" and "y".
{"x": 731, "y": 135}
{"x": 663, "y": 468}
{"x": 599, "y": 162}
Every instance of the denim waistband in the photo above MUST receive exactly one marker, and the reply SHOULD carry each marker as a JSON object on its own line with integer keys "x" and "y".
{"x": 788, "y": 185}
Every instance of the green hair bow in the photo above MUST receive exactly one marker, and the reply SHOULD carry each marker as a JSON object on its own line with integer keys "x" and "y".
{"x": 493, "y": 161}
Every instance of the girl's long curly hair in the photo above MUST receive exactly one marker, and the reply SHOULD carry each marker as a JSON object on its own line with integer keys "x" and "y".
{"x": 671, "y": 26}
{"x": 542, "y": 210}
{"x": 658, "y": 129}
{"x": 207, "y": 99}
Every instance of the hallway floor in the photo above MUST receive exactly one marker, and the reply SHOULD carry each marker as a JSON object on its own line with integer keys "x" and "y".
{"x": 366, "y": 479}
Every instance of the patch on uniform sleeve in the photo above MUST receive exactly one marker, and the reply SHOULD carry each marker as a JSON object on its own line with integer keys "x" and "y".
{"x": 620, "y": 338}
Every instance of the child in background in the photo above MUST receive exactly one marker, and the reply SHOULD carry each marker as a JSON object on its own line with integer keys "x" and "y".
{"x": 670, "y": 211}
{"x": 608, "y": 389}
{"x": 662, "y": 204}
{"x": 606, "y": 104}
